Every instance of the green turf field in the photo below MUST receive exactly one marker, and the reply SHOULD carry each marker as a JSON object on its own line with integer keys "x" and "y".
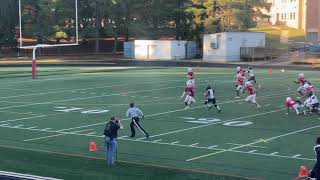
{"x": 47, "y": 124}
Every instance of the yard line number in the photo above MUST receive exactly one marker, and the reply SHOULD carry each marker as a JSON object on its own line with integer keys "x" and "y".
{"x": 81, "y": 110}
{"x": 214, "y": 120}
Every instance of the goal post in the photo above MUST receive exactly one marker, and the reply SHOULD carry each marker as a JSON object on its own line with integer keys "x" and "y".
{"x": 36, "y": 46}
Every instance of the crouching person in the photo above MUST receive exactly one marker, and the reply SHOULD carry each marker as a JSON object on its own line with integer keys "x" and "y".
{"x": 111, "y": 133}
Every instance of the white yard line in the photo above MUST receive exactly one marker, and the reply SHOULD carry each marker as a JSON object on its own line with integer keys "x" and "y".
{"x": 56, "y": 135}
{"x": 210, "y": 124}
{"x": 167, "y": 112}
{"x": 253, "y": 143}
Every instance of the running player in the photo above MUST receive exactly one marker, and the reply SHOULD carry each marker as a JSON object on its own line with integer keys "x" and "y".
{"x": 251, "y": 98}
{"x": 294, "y": 104}
{"x": 189, "y": 90}
{"x": 211, "y": 100}
{"x": 240, "y": 79}
{"x": 191, "y": 76}
{"x": 311, "y": 104}
{"x": 301, "y": 81}
{"x": 252, "y": 76}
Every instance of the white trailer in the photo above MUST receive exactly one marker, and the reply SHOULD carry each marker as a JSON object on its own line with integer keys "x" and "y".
{"x": 160, "y": 49}
{"x": 226, "y": 46}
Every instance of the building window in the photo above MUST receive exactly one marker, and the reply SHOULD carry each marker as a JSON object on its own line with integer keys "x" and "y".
{"x": 294, "y": 16}
{"x": 290, "y": 16}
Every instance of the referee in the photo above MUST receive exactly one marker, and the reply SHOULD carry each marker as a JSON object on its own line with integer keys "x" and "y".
{"x": 135, "y": 113}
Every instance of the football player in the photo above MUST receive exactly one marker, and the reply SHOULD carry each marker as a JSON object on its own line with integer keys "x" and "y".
{"x": 251, "y": 98}
{"x": 311, "y": 104}
{"x": 294, "y": 104}
{"x": 211, "y": 100}
{"x": 191, "y": 76}
{"x": 189, "y": 92}
{"x": 252, "y": 76}
{"x": 240, "y": 79}
{"x": 301, "y": 81}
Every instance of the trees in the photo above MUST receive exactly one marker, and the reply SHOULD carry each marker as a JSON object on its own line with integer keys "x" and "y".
{"x": 184, "y": 19}
{"x": 9, "y": 19}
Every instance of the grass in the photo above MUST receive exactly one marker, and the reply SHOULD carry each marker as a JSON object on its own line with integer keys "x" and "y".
{"x": 273, "y": 34}
{"x": 47, "y": 125}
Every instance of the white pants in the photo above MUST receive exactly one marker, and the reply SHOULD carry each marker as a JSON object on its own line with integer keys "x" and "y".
{"x": 189, "y": 99}
{"x": 300, "y": 89}
{"x": 251, "y": 98}
{"x": 296, "y": 108}
{"x": 240, "y": 87}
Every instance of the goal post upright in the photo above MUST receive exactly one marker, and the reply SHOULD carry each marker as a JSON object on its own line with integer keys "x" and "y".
{"x": 35, "y": 47}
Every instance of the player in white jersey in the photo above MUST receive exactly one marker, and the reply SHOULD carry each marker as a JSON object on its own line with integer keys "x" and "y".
{"x": 252, "y": 77}
{"x": 311, "y": 104}
{"x": 211, "y": 99}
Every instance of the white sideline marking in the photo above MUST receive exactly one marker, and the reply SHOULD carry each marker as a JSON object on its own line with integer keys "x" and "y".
{"x": 248, "y": 146}
{"x": 25, "y": 176}
{"x": 195, "y": 144}
{"x": 188, "y": 118}
{"x": 4, "y": 125}
{"x": 92, "y": 133}
{"x": 46, "y": 129}
{"x": 56, "y": 135}
{"x": 34, "y": 127}
{"x": 181, "y": 145}
{"x": 274, "y": 153}
{"x": 256, "y": 142}
{"x": 158, "y": 140}
{"x": 176, "y": 142}
{"x": 220, "y": 122}
{"x": 219, "y": 149}
{"x": 18, "y": 126}
{"x": 23, "y": 118}
{"x": 297, "y": 155}
{"x": 252, "y": 151}
{"x": 122, "y": 137}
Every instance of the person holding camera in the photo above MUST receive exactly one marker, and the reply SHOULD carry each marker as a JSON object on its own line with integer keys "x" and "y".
{"x": 111, "y": 133}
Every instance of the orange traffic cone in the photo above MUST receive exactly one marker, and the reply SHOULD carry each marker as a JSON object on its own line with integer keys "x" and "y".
{"x": 92, "y": 146}
{"x": 303, "y": 171}
{"x": 270, "y": 70}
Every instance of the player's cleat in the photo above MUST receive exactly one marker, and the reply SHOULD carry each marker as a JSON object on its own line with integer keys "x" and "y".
{"x": 304, "y": 112}
{"x": 237, "y": 97}
{"x": 209, "y": 107}
{"x": 132, "y": 136}
{"x": 147, "y": 136}
{"x": 219, "y": 111}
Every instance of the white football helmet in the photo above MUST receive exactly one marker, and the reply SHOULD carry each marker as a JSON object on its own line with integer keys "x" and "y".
{"x": 189, "y": 69}
{"x": 248, "y": 83}
{"x": 306, "y": 86}
{"x": 301, "y": 75}
{"x": 238, "y": 69}
{"x": 288, "y": 98}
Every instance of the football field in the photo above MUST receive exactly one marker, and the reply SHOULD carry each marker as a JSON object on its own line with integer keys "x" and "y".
{"x": 47, "y": 124}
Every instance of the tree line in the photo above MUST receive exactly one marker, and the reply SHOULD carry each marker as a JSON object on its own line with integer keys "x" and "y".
{"x": 151, "y": 19}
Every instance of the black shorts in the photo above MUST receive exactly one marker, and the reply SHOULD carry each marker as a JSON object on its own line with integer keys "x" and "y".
{"x": 315, "y": 106}
{"x": 252, "y": 78}
{"x": 213, "y": 101}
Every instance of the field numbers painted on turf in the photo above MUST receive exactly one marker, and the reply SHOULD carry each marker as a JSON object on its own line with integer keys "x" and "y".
{"x": 213, "y": 120}
{"x": 80, "y": 110}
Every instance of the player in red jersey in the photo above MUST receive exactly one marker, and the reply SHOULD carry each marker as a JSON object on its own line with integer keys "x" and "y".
{"x": 240, "y": 80}
{"x": 301, "y": 81}
{"x": 294, "y": 104}
{"x": 191, "y": 76}
{"x": 189, "y": 92}
{"x": 251, "y": 98}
